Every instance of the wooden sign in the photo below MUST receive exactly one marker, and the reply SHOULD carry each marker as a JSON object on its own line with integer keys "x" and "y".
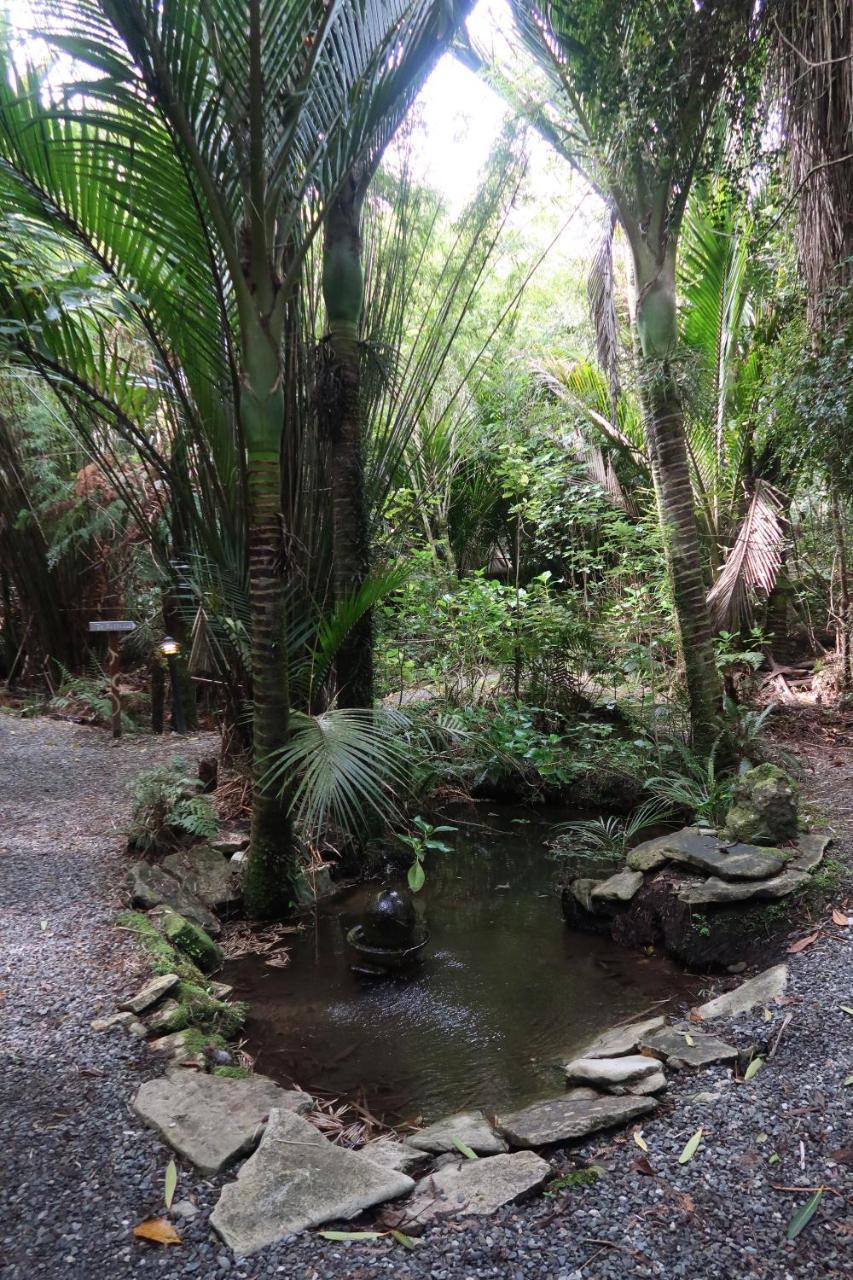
{"x": 113, "y": 627}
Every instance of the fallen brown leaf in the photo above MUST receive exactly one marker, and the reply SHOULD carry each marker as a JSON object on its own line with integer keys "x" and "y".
{"x": 843, "y": 1156}
{"x": 642, "y": 1165}
{"x": 801, "y": 943}
{"x": 157, "y": 1230}
{"x": 840, "y": 918}
{"x": 695, "y": 1016}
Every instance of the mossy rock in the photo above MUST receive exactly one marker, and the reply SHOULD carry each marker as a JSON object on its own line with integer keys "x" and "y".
{"x": 192, "y": 940}
{"x": 209, "y": 1014}
{"x": 765, "y": 807}
{"x": 164, "y": 957}
{"x": 232, "y": 1073}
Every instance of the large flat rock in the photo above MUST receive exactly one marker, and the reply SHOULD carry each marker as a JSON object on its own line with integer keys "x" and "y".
{"x": 716, "y": 892}
{"x": 693, "y": 1048}
{"x": 809, "y": 852}
{"x": 763, "y": 988}
{"x": 619, "y": 888}
{"x": 152, "y": 993}
{"x": 708, "y": 853}
{"x": 604, "y": 1072}
{"x": 150, "y": 886}
{"x": 298, "y": 1179}
{"x": 621, "y": 1039}
{"x": 649, "y": 855}
{"x": 469, "y": 1127}
{"x": 562, "y": 1119}
{"x": 213, "y": 1120}
{"x": 476, "y": 1187}
{"x": 207, "y": 874}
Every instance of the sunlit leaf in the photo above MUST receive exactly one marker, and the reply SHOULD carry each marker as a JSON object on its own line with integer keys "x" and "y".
{"x": 753, "y": 1068}
{"x": 416, "y": 877}
{"x": 406, "y": 1241}
{"x": 691, "y": 1148}
{"x": 170, "y": 1183}
{"x": 467, "y": 1152}
{"x": 352, "y": 1235}
{"x": 640, "y": 1140}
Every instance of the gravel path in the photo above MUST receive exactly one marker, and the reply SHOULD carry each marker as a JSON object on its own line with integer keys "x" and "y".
{"x": 78, "y": 1171}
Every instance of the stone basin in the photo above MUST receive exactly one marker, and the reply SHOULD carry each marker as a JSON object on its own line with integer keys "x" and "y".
{"x": 377, "y": 961}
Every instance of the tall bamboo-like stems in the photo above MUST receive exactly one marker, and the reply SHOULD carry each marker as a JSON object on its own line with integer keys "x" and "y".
{"x": 343, "y": 294}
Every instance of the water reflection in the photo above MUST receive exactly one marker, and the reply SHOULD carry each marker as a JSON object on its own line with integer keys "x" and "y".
{"x": 505, "y": 993}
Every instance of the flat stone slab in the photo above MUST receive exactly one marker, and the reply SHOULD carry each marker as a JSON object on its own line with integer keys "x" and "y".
{"x": 476, "y": 1187}
{"x": 672, "y": 1044}
{"x": 621, "y": 1039}
{"x": 469, "y": 1127}
{"x": 604, "y": 1072}
{"x": 395, "y": 1155}
{"x": 298, "y": 1179}
{"x": 562, "y": 1119}
{"x": 716, "y": 892}
{"x": 649, "y": 855}
{"x": 761, "y": 989}
{"x": 581, "y": 891}
{"x": 809, "y": 852}
{"x": 151, "y": 993}
{"x": 150, "y": 886}
{"x": 619, "y": 888}
{"x": 206, "y": 874}
{"x": 213, "y": 1120}
{"x": 708, "y": 853}
{"x": 652, "y": 1084}
{"x": 230, "y": 842}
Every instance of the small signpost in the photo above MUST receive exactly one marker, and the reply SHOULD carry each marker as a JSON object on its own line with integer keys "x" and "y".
{"x": 113, "y": 627}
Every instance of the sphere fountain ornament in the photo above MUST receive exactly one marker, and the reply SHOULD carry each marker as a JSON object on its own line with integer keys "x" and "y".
{"x": 390, "y": 937}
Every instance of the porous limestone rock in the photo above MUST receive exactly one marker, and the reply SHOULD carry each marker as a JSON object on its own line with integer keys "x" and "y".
{"x": 298, "y": 1179}
{"x": 716, "y": 892}
{"x": 150, "y": 886}
{"x": 213, "y": 1120}
{"x": 765, "y": 806}
{"x": 468, "y": 1127}
{"x": 763, "y": 988}
{"x": 475, "y": 1187}
{"x": 619, "y": 1040}
{"x": 687, "y": 1046}
{"x": 563, "y": 1119}
{"x": 152, "y": 993}
{"x": 604, "y": 1072}
{"x": 619, "y": 888}
{"x": 207, "y": 874}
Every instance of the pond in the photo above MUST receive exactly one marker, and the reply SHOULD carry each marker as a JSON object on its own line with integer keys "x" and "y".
{"x": 505, "y": 994}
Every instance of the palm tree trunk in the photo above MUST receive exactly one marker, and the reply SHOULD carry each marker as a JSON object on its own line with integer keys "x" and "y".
{"x": 842, "y": 610}
{"x": 665, "y": 435}
{"x": 343, "y": 292}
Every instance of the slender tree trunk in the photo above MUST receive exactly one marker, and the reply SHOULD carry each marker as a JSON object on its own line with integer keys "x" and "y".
{"x": 842, "y": 610}
{"x": 665, "y": 435}
{"x": 343, "y": 292}
{"x": 273, "y": 855}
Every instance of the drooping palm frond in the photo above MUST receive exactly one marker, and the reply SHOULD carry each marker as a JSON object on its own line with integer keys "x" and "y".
{"x": 602, "y": 307}
{"x": 753, "y": 562}
{"x": 348, "y": 765}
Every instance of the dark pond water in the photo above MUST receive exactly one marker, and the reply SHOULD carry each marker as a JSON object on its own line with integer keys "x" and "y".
{"x": 505, "y": 993}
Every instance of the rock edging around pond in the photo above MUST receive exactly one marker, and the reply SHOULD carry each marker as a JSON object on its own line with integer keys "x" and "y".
{"x": 701, "y": 898}
{"x": 296, "y": 1178}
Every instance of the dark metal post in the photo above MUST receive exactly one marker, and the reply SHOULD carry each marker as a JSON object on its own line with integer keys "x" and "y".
{"x": 179, "y": 720}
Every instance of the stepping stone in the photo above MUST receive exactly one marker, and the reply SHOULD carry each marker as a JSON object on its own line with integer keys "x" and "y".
{"x": 213, "y": 1120}
{"x": 151, "y": 993}
{"x": 115, "y": 1021}
{"x": 621, "y": 1039}
{"x": 395, "y": 1155}
{"x": 655, "y": 1083}
{"x": 762, "y": 989}
{"x": 298, "y": 1179}
{"x": 649, "y": 855}
{"x": 671, "y": 1044}
{"x": 582, "y": 1092}
{"x": 563, "y": 1119}
{"x": 151, "y": 886}
{"x": 175, "y": 1045}
{"x": 733, "y": 862}
{"x": 619, "y": 888}
{"x": 476, "y": 1187}
{"x": 715, "y": 892}
{"x": 171, "y": 1016}
{"x": 810, "y": 851}
{"x": 604, "y": 1072}
{"x": 206, "y": 874}
{"x": 230, "y": 842}
{"x": 469, "y": 1127}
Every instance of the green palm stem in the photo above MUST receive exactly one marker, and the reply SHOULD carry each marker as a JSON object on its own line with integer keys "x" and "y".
{"x": 666, "y": 439}
{"x": 343, "y": 294}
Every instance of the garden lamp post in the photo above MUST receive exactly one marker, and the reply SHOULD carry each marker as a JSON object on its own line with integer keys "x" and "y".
{"x": 170, "y": 648}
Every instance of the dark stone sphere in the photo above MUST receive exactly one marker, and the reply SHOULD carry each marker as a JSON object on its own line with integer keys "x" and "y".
{"x": 390, "y": 919}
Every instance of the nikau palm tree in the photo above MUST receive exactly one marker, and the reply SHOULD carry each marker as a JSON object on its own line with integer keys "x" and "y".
{"x": 200, "y": 156}
{"x": 633, "y": 88}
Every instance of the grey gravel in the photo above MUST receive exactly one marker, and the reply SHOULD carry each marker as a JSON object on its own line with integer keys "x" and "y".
{"x": 79, "y": 1170}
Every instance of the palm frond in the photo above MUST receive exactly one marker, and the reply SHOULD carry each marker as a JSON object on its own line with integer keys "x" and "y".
{"x": 753, "y": 562}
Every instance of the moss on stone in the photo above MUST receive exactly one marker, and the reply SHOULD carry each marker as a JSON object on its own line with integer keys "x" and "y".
{"x": 232, "y": 1073}
{"x": 164, "y": 957}
{"x": 192, "y": 940}
{"x": 203, "y": 1010}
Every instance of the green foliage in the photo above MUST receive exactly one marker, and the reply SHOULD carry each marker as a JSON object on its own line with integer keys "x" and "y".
{"x": 88, "y": 695}
{"x": 576, "y": 1180}
{"x": 422, "y": 842}
{"x": 164, "y": 957}
{"x": 609, "y": 838}
{"x": 168, "y": 807}
{"x": 695, "y": 784}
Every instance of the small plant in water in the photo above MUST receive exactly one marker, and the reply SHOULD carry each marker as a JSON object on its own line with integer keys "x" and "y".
{"x": 609, "y": 838}
{"x": 423, "y": 842}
